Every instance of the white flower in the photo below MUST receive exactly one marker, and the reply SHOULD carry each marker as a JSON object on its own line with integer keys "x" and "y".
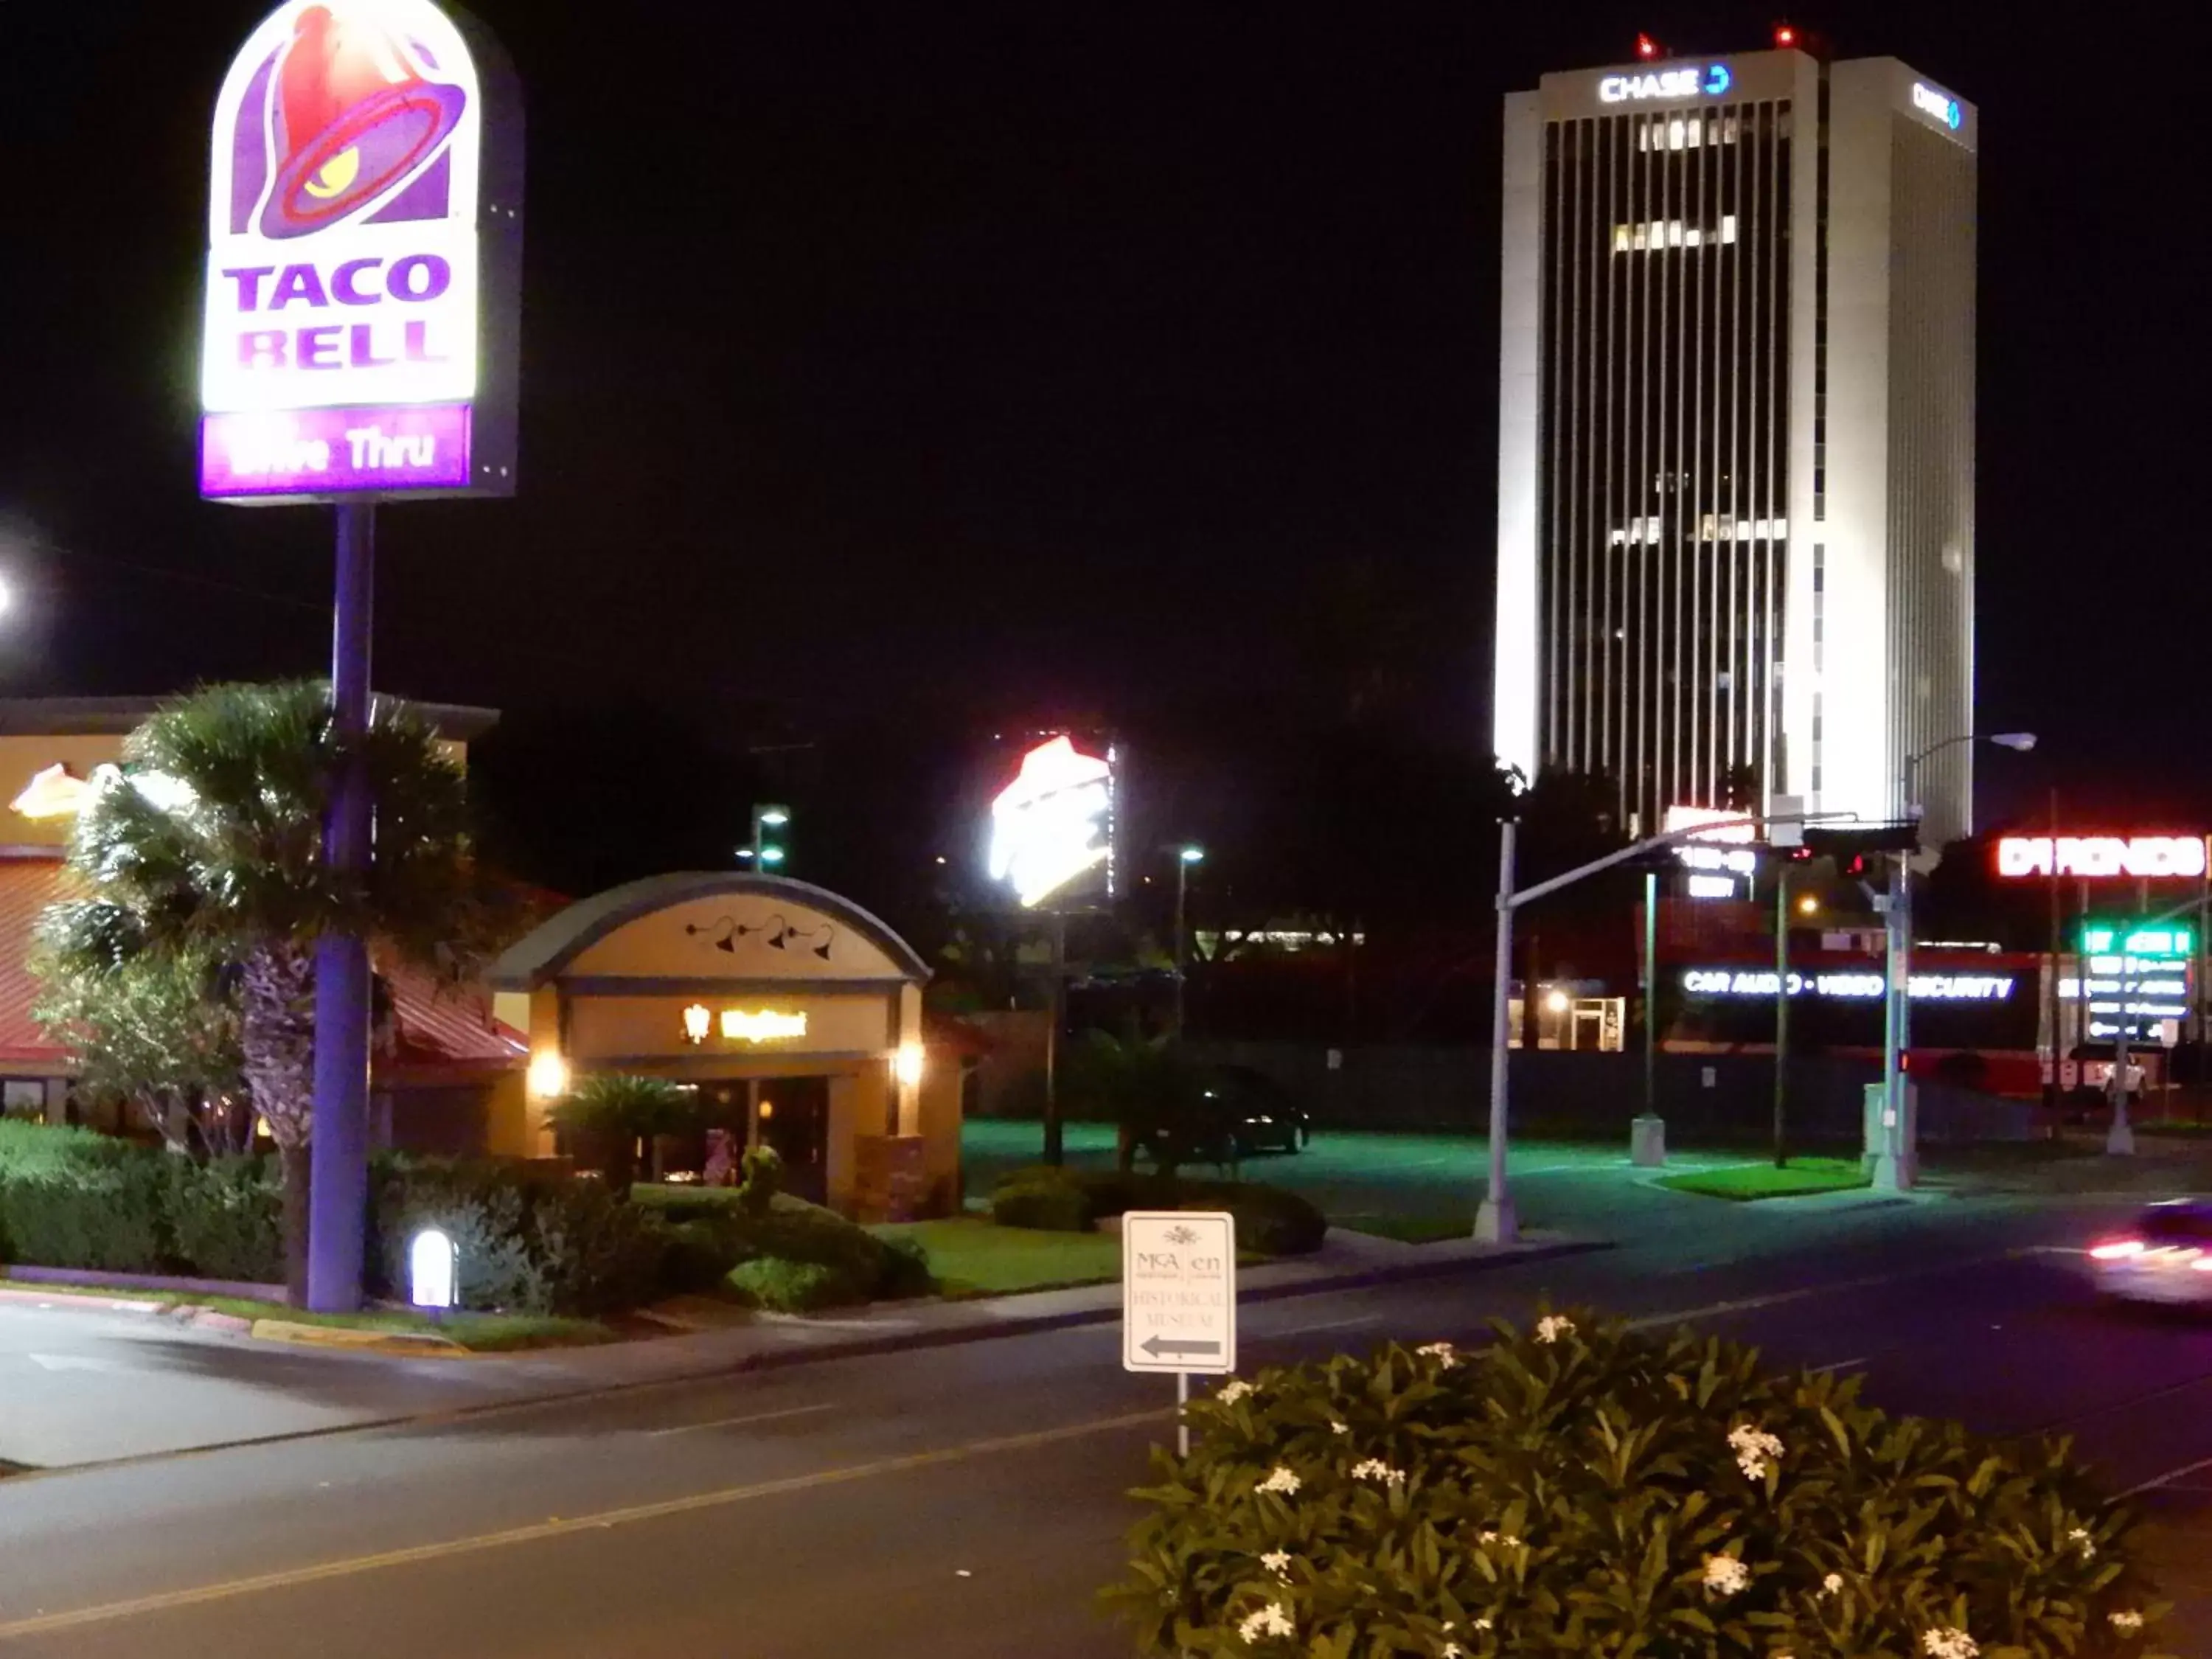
{"x": 1270, "y": 1620}
{"x": 1234, "y": 1392}
{"x": 1451, "y": 1651}
{"x": 1375, "y": 1469}
{"x": 2126, "y": 1622}
{"x": 1280, "y": 1479}
{"x": 1832, "y": 1583}
{"x": 1482, "y": 1623}
{"x": 1277, "y": 1562}
{"x": 2080, "y": 1535}
{"x": 1725, "y": 1575}
{"x": 1949, "y": 1644}
{"x": 1508, "y": 1540}
{"x": 1442, "y": 1352}
{"x": 1753, "y": 1449}
{"x": 1553, "y": 1327}
{"x": 1339, "y": 1428}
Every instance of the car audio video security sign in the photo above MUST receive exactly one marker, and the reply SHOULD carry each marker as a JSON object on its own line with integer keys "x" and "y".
{"x": 364, "y": 234}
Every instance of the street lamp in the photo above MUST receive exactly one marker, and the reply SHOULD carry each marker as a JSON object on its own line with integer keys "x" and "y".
{"x": 1184, "y": 858}
{"x": 1895, "y": 1168}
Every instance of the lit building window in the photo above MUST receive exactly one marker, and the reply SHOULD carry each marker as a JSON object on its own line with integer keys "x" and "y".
{"x": 1621, "y": 241}
{"x": 1728, "y": 228}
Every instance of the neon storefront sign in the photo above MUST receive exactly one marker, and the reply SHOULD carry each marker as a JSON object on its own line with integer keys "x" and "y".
{"x": 2092, "y": 858}
{"x": 1846, "y": 985}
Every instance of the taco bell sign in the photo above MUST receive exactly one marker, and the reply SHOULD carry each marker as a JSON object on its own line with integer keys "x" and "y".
{"x": 363, "y": 259}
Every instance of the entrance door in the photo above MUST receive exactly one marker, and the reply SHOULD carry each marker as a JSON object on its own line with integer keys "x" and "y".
{"x": 795, "y": 1121}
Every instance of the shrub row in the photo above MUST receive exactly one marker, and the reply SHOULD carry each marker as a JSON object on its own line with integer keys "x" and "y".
{"x": 527, "y": 1240}
{"x": 1576, "y": 1488}
{"x": 1269, "y": 1220}
{"x": 788, "y": 1255}
{"x": 528, "y": 1243}
{"x": 69, "y": 1198}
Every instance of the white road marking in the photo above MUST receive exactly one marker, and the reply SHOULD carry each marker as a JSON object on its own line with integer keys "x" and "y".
{"x": 733, "y": 1422}
{"x": 262, "y": 1584}
{"x": 1329, "y": 1325}
{"x": 2169, "y": 1477}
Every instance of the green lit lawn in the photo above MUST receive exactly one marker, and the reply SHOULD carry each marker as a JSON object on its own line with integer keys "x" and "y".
{"x": 976, "y": 1258}
{"x": 1742, "y": 1183}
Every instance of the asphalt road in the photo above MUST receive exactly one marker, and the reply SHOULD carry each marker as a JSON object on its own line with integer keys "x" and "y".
{"x": 967, "y": 1501}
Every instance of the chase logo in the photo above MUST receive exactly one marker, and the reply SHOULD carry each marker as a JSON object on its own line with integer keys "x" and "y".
{"x": 347, "y": 115}
{"x": 1713, "y": 81}
{"x": 1944, "y": 107}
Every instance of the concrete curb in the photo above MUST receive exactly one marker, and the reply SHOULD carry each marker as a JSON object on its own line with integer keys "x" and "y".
{"x": 779, "y": 1359}
{"x": 870, "y": 1344}
{"x": 398, "y": 1344}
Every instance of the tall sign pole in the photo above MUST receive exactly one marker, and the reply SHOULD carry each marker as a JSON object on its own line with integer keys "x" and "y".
{"x": 360, "y": 346}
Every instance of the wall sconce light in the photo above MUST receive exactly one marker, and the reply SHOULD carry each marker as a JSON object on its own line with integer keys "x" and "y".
{"x": 907, "y": 1064}
{"x": 548, "y": 1077}
{"x": 698, "y": 1020}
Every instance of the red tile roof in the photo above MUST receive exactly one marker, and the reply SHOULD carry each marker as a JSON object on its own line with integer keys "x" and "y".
{"x": 443, "y": 1033}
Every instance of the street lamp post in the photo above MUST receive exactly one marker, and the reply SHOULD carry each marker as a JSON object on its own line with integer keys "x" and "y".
{"x": 1184, "y": 858}
{"x": 1895, "y": 1168}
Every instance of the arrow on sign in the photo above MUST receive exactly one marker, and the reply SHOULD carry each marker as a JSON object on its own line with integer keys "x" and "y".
{"x": 1162, "y": 1348}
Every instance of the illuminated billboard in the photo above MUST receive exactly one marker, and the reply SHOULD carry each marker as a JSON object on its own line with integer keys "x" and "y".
{"x": 2094, "y": 858}
{"x": 2134, "y": 978}
{"x": 363, "y": 259}
{"x": 1052, "y": 826}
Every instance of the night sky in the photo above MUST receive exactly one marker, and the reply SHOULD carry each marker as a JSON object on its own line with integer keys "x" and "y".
{"x": 929, "y": 368}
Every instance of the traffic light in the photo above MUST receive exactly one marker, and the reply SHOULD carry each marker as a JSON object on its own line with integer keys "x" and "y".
{"x": 771, "y": 848}
{"x": 1857, "y": 848}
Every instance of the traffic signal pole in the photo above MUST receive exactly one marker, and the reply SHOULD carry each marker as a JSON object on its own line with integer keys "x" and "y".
{"x": 1495, "y": 1221}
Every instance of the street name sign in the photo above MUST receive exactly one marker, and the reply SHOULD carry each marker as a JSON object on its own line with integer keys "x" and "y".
{"x": 1178, "y": 1291}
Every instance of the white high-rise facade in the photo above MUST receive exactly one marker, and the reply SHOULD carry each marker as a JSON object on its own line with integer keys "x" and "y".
{"x": 1736, "y": 453}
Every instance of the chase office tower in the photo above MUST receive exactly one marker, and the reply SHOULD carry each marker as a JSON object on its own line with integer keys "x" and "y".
{"x": 1736, "y": 459}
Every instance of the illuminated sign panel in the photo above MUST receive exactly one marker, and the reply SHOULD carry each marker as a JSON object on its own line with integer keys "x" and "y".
{"x": 2146, "y": 858}
{"x": 2135, "y": 980}
{"x": 1053, "y": 824}
{"x": 1940, "y": 105}
{"x": 348, "y": 292}
{"x": 1847, "y": 985}
{"x": 1708, "y": 81}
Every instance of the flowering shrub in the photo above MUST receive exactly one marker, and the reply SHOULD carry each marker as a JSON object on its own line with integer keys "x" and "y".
{"x": 1580, "y": 1489}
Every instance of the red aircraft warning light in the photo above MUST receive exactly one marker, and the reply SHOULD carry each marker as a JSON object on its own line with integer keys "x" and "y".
{"x": 1785, "y": 37}
{"x": 1647, "y": 48}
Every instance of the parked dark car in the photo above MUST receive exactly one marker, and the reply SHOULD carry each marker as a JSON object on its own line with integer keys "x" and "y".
{"x": 1261, "y": 1115}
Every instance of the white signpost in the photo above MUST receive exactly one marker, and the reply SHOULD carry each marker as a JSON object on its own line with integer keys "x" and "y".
{"x": 1179, "y": 1298}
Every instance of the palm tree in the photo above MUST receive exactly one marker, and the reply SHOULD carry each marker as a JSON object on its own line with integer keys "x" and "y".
{"x": 211, "y": 844}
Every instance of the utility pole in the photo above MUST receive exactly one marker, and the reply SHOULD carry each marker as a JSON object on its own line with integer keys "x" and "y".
{"x": 1781, "y": 1014}
{"x": 1651, "y": 994}
{"x": 1185, "y": 858}
{"x": 1495, "y": 1221}
{"x": 2051, "y": 1089}
{"x": 1057, "y": 1001}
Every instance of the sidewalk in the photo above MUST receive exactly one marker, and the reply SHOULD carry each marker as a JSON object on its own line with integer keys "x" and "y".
{"x": 1346, "y": 1261}
{"x": 76, "y": 1371}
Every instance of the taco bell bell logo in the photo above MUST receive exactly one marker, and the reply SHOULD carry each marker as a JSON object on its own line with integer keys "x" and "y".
{"x": 340, "y": 351}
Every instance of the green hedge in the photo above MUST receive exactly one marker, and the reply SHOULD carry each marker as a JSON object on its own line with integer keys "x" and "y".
{"x": 1270, "y": 1220}
{"x": 528, "y": 1243}
{"x": 1576, "y": 1488}
{"x": 715, "y": 1234}
{"x": 69, "y": 1198}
